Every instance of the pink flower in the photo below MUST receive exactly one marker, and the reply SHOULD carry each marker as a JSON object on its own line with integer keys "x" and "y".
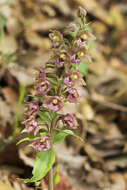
{"x": 61, "y": 58}
{"x": 69, "y": 121}
{"x": 33, "y": 108}
{"x": 54, "y": 103}
{"x": 42, "y": 143}
{"x": 72, "y": 95}
{"x": 81, "y": 43}
{"x": 57, "y": 38}
{"x": 32, "y": 125}
{"x": 55, "y": 44}
{"x": 41, "y": 74}
{"x": 59, "y": 63}
{"x": 75, "y": 60}
{"x": 70, "y": 79}
{"x": 43, "y": 88}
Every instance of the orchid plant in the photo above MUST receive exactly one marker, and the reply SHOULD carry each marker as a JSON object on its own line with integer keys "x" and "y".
{"x": 56, "y": 84}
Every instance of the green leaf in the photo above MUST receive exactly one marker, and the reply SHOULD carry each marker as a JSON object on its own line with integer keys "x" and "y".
{"x": 43, "y": 163}
{"x": 30, "y": 138}
{"x": 53, "y": 115}
{"x": 23, "y": 140}
{"x": 57, "y": 176}
{"x": 37, "y": 183}
{"x": 73, "y": 66}
{"x": 43, "y": 133}
{"x": 87, "y": 27}
{"x": 80, "y": 22}
{"x": 44, "y": 116}
{"x": 73, "y": 34}
{"x": 83, "y": 68}
{"x": 63, "y": 134}
{"x": 42, "y": 99}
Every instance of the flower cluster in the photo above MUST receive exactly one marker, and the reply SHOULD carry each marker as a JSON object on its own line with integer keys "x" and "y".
{"x": 58, "y": 81}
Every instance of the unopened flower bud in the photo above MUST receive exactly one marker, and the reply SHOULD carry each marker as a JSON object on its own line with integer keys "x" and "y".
{"x": 82, "y": 12}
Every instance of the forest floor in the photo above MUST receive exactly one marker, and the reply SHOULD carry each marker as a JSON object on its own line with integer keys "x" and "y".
{"x": 100, "y": 163}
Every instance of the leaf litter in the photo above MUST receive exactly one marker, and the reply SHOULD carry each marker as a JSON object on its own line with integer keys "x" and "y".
{"x": 100, "y": 163}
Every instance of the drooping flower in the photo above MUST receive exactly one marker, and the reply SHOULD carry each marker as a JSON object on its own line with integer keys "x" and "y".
{"x": 84, "y": 37}
{"x": 81, "y": 43}
{"x": 33, "y": 108}
{"x": 32, "y": 125}
{"x": 57, "y": 38}
{"x": 59, "y": 63}
{"x": 72, "y": 95}
{"x": 70, "y": 79}
{"x": 42, "y": 143}
{"x": 75, "y": 60}
{"x": 43, "y": 88}
{"x": 54, "y": 103}
{"x": 61, "y": 57}
{"x": 69, "y": 121}
{"x": 78, "y": 54}
{"x": 41, "y": 74}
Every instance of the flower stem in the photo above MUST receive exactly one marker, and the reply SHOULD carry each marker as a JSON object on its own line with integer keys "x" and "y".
{"x": 51, "y": 179}
{"x": 50, "y": 174}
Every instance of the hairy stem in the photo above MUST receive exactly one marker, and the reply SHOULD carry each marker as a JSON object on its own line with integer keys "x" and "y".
{"x": 51, "y": 179}
{"x": 50, "y": 174}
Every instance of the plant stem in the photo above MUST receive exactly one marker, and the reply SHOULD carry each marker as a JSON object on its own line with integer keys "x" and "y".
{"x": 51, "y": 179}
{"x": 50, "y": 174}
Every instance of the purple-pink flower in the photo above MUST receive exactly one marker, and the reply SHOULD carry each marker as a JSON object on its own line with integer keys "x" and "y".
{"x": 32, "y": 125}
{"x": 74, "y": 59}
{"x": 41, "y": 75}
{"x": 57, "y": 39}
{"x": 81, "y": 43}
{"x": 33, "y": 108}
{"x": 54, "y": 103}
{"x": 70, "y": 79}
{"x": 59, "y": 63}
{"x": 42, "y": 143}
{"x": 61, "y": 58}
{"x": 43, "y": 88}
{"x": 69, "y": 121}
{"x": 72, "y": 95}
